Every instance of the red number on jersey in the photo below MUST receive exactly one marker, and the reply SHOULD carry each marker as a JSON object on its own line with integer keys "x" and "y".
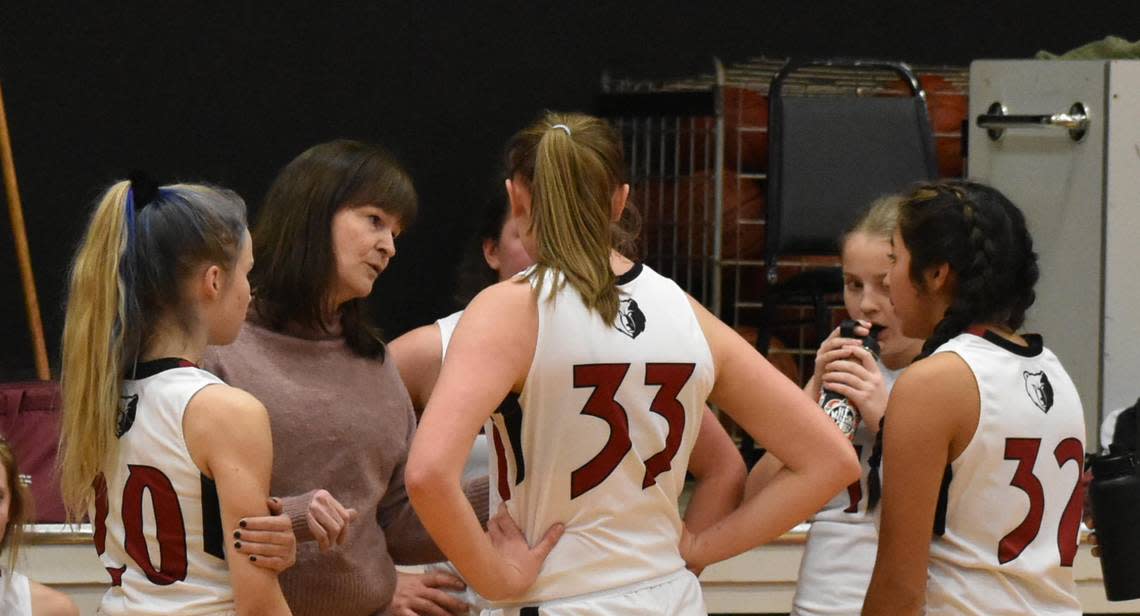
{"x": 1025, "y": 451}
{"x": 171, "y": 530}
{"x": 1070, "y": 450}
{"x": 671, "y": 378}
{"x": 101, "y": 509}
{"x": 605, "y": 379}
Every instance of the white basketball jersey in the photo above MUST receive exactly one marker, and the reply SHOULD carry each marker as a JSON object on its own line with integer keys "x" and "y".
{"x": 607, "y": 419}
{"x": 15, "y": 593}
{"x": 158, "y": 527}
{"x": 839, "y": 554}
{"x": 1014, "y": 503}
{"x": 479, "y": 460}
{"x": 850, "y": 505}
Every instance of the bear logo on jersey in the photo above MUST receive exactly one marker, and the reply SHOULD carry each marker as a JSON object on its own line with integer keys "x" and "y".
{"x": 631, "y": 320}
{"x": 126, "y": 417}
{"x": 1039, "y": 389}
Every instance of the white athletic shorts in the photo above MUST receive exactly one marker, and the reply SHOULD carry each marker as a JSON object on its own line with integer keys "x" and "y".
{"x": 676, "y": 594}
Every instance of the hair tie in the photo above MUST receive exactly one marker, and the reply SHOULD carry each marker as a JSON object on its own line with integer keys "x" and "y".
{"x": 143, "y": 191}
{"x": 563, "y": 127}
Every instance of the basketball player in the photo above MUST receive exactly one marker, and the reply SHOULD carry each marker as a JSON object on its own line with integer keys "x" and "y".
{"x": 984, "y": 438}
{"x": 20, "y": 596}
{"x": 715, "y": 462}
{"x": 174, "y": 454}
{"x": 840, "y": 549}
{"x": 612, "y": 364}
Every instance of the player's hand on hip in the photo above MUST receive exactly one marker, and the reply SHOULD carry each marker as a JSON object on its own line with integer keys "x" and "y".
{"x": 268, "y": 541}
{"x": 425, "y": 595}
{"x": 521, "y": 562}
{"x": 328, "y": 520}
{"x": 687, "y": 548}
{"x": 690, "y": 549}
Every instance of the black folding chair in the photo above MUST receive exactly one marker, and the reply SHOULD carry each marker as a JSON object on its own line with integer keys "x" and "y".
{"x": 830, "y": 155}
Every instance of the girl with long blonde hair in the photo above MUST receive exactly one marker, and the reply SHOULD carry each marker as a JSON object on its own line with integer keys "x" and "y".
{"x": 161, "y": 273}
{"x": 612, "y": 364}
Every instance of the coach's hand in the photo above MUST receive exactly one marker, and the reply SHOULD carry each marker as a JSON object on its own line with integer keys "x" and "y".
{"x": 521, "y": 563}
{"x": 267, "y": 541}
{"x": 328, "y": 520}
{"x": 424, "y": 595}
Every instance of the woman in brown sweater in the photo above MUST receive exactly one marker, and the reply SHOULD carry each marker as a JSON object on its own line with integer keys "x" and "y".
{"x": 342, "y": 421}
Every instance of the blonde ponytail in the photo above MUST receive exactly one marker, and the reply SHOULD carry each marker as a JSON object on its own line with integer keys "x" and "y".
{"x": 126, "y": 278}
{"x": 93, "y": 357}
{"x": 573, "y": 165}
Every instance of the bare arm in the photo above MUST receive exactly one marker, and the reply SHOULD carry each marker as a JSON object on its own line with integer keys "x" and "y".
{"x": 719, "y": 470}
{"x": 930, "y": 404}
{"x": 818, "y": 460}
{"x": 488, "y": 357}
{"x": 50, "y": 602}
{"x": 418, "y": 356}
{"x": 227, "y": 434}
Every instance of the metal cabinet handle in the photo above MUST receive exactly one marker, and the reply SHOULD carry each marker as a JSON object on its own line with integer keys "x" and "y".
{"x": 997, "y": 119}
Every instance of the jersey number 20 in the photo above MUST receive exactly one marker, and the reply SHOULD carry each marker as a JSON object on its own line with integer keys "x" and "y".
{"x": 606, "y": 379}
{"x": 167, "y": 517}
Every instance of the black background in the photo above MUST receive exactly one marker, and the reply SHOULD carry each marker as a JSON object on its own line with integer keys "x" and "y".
{"x": 229, "y": 92}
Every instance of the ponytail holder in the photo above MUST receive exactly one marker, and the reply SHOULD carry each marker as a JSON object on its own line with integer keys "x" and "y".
{"x": 563, "y": 127}
{"x": 144, "y": 189}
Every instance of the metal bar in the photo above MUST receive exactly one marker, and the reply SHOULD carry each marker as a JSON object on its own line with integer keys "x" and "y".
{"x": 718, "y": 203}
{"x": 23, "y": 253}
{"x": 997, "y": 119}
{"x": 692, "y": 201}
{"x": 676, "y": 191}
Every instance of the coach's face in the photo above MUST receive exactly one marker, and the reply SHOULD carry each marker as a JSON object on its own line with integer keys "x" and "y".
{"x": 364, "y": 241}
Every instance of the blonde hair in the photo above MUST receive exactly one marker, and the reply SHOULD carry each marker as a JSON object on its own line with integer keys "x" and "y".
{"x": 573, "y": 164}
{"x": 125, "y": 279}
{"x": 878, "y": 220}
{"x": 20, "y": 505}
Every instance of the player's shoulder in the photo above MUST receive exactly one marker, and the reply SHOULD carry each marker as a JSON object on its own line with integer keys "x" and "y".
{"x": 222, "y": 404}
{"x": 515, "y": 294}
{"x": 415, "y": 341}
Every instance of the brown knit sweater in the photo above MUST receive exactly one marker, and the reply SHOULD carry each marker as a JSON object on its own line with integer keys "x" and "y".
{"x": 343, "y": 423}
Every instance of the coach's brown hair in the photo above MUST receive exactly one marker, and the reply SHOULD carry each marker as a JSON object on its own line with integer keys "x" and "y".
{"x": 294, "y": 263}
{"x": 573, "y": 163}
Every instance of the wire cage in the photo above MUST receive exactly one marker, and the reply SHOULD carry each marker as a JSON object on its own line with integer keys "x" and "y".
{"x": 697, "y": 148}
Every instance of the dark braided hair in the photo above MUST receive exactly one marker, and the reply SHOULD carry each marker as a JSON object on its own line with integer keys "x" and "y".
{"x": 983, "y": 237}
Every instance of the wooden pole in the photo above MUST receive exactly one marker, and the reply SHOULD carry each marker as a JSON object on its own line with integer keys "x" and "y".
{"x": 23, "y": 255}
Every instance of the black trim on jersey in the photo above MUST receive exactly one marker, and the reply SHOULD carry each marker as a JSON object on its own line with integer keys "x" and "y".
{"x": 512, "y": 419}
{"x": 211, "y": 519}
{"x": 1034, "y": 347}
{"x": 631, "y": 274}
{"x": 150, "y": 368}
{"x": 943, "y": 502}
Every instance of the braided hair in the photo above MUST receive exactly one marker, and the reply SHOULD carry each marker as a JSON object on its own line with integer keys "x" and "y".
{"x": 983, "y": 237}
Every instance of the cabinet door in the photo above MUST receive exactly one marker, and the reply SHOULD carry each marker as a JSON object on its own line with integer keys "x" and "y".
{"x": 1121, "y": 378}
{"x": 1059, "y": 184}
